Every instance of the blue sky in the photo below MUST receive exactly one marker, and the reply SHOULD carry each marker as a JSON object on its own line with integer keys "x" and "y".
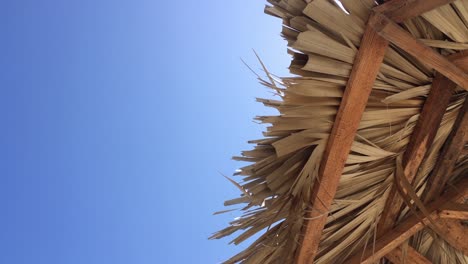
{"x": 117, "y": 117}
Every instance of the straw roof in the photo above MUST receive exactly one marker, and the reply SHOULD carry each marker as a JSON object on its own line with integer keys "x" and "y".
{"x": 284, "y": 174}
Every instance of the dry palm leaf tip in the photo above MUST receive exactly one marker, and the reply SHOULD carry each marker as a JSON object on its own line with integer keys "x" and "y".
{"x": 366, "y": 160}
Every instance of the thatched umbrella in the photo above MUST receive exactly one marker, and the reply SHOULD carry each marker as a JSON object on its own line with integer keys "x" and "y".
{"x": 366, "y": 159}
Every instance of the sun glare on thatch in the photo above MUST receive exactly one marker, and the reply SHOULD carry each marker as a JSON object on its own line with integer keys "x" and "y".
{"x": 340, "y": 5}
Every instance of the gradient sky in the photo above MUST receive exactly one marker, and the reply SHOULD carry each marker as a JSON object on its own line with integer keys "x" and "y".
{"x": 117, "y": 117}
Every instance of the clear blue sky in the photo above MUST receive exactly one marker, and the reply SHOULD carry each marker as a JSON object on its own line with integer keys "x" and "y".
{"x": 117, "y": 116}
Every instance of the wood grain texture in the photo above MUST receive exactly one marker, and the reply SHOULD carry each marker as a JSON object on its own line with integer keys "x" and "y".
{"x": 401, "y": 10}
{"x": 428, "y": 123}
{"x": 401, "y": 38}
{"x": 412, "y": 256}
{"x": 407, "y": 228}
{"x": 451, "y": 150}
{"x": 455, "y": 234}
{"x": 365, "y": 69}
{"x": 454, "y": 211}
{"x": 422, "y": 138}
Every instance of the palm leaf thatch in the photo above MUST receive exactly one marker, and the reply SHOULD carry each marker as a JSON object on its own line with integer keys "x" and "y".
{"x": 323, "y": 38}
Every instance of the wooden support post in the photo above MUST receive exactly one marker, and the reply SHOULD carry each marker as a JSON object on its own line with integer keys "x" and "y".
{"x": 407, "y": 228}
{"x": 366, "y": 66}
{"x": 412, "y": 256}
{"x": 401, "y": 38}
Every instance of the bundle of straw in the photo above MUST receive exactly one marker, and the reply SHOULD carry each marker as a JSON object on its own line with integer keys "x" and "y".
{"x": 323, "y": 38}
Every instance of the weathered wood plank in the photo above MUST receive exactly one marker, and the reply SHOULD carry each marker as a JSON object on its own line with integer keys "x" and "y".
{"x": 366, "y": 66}
{"x": 451, "y": 150}
{"x": 412, "y": 256}
{"x": 407, "y": 228}
{"x": 400, "y": 10}
{"x": 401, "y": 38}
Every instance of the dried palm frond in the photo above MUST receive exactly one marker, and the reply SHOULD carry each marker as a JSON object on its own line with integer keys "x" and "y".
{"x": 275, "y": 189}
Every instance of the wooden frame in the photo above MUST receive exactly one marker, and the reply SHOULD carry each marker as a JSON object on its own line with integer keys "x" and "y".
{"x": 412, "y": 256}
{"x": 410, "y": 226}
{"x": 358, "y": 89}
{"x": 421, "y": 140}
{"x": 382, "y": 29}
{"x": 454, "y": 211}
{"x": 450, "y": 152}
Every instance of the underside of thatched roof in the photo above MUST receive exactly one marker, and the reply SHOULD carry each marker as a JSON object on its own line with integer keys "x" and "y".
{"x": 406, "y": 156}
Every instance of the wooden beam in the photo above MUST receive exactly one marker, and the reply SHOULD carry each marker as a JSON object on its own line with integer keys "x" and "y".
{"x": 365, "y": 68}
{"x": 396, "y": 256}
{"x": 449, "y": 214}
{"x": 460, "y": 59}
{"x": 421, "y": 140}
{"x": 451, "y": 150}
{"x": 455, "y": 234}
{"x": 401, "y": 38}
{"x": 428, "y": 123}
{"x": 407, "y": 228}
{"x": 454, "y": 211}
{"x": 401, "y": 10}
